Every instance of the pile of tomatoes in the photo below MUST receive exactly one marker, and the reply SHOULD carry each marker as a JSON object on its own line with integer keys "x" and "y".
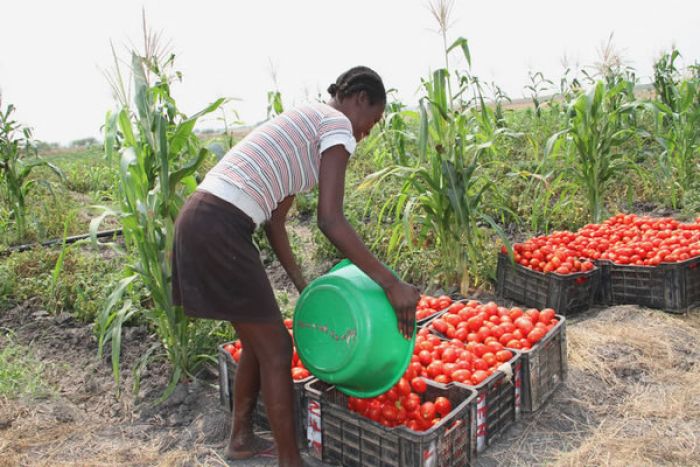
{"x": 403, "y": 405}
{"x": 622, "y": 239}
{"x": 299, "y": 372}
{"x": 481, "y": 338}
{"x": 486, "y": 328}
{"x": 428, "y": 306}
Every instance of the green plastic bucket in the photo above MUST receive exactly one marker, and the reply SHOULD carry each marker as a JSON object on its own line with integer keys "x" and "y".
{"x": 346, "y": 333}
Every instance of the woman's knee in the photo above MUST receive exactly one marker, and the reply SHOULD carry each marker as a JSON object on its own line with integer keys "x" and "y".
{"x": 280, "y": 351}
{"x": 271, "y": 343}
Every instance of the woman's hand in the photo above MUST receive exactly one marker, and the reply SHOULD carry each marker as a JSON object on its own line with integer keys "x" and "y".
{"x": 404, "y": 298}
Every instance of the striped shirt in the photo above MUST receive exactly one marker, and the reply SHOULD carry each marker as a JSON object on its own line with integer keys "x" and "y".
{"x": 280, "y": 158}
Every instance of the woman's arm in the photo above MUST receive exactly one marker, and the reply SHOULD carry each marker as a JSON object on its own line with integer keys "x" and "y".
{"x": 276, "y": 232}
{"x": 332, "y": 222}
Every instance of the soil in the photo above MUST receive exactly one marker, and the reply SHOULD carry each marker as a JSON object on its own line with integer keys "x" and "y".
{"x": 84, "y": 422}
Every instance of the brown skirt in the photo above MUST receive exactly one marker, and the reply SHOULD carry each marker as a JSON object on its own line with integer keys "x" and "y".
{"x": 216, "y": 267}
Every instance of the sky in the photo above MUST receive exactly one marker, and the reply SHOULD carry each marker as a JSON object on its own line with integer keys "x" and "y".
{"x": 54, "y": 53}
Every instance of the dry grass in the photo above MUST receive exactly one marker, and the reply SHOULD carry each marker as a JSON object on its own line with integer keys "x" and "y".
{"x": 647, "y": 398}
{"x": 37, "y": 438}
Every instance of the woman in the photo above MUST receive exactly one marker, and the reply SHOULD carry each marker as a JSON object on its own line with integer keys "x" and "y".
{"x": 217, "y": 272}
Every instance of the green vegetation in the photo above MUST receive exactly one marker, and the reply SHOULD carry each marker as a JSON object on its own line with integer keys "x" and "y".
{"x": 21, "y": 372}
{"x": 18, "y": 158}
{"x": 159, "y": 155}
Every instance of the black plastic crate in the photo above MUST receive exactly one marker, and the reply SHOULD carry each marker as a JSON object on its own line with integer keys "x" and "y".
{"x": 340, "y": 436}
{"x": 498, "y": 398}
{"x": 673, "y": 287}
{"x": 566, "y": 294}
{"x": 544, "y": 368}
{"x": 498, "y": 402}
{"x": 227, "y": 379}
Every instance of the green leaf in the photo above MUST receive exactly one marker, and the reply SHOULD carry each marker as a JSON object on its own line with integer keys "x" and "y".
{"x": 188, "y": 169}
{"x": 464, "y": 45}
{"x": 121, "y": 316}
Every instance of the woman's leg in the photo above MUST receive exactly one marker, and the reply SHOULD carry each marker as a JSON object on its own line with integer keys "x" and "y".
{"x": 243, "y": 443}
{"x": 272, "y": 348}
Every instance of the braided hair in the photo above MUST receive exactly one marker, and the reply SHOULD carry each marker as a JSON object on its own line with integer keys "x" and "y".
{"x": 357, "y": 79}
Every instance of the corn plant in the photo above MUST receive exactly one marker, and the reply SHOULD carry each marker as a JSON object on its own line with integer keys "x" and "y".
{"x": 666, "y": 78}
{"x": 597, "y": 127}
{"x": 159, "y": 155}
{"x": 18, "y": 158}
{"x": 677, "y": 107}
{"x": 442, "y": 201}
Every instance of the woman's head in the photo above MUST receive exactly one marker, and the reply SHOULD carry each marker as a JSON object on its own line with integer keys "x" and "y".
{"x": 359, "y": 93}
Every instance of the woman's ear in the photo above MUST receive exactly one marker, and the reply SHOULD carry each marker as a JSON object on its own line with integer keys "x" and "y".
{"x": 362, "y": 98}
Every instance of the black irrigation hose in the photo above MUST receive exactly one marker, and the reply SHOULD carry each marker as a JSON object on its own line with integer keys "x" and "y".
{"x": 58, "y": 241}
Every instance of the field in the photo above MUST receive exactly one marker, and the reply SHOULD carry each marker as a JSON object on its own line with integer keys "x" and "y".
{"x": 98, "y": 367}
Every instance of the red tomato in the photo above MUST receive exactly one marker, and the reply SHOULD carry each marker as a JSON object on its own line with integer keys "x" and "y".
{"x": 449, "y": 355}
{"x": 442, "y": 378}
{"x": 504, "y": 355}
{"x": 375, "y": 412}
{"x": 412, "y": 402}
{"x": 389, "y": 411}
{"x": 514, "y": 344}
{"x": 440, "y": 325}
{"x": 300, "y": 373}
{"x": 478, "y": 377}
{"x": 361, "y": 405}
{"x": 490, "y": 359}
{"x": 404, "y": 387}
{"x": 494, "y": 346}
{"x": 413, "y": 425}
{"x": 419, "y": 385}
{"x": 425, "y": 357}
{"x": 475, "y": 323}
{"x": 461, "y": 376}
{"x": 546, "y": 315}
{"x": 427, "y": 411}
{"x": 443, "y": 406}
{"x": 534, "y": 314}
{"x": 434, "y": 369}
{"x": 480, "y": 364}
{"x": 524, "y": 324}
{"x": 535, "y": 335}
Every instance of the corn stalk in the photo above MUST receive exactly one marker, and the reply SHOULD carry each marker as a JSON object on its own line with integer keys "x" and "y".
{"x": 159, "y": 155}
{"x": 597, "y": 127}
{"x": 677, "y": 108}
{"x": 443, "y": 198}
{"x": 18, "y": 158}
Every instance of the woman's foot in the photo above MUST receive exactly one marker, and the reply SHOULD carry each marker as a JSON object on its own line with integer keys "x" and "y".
{"x": 250, "y": 447}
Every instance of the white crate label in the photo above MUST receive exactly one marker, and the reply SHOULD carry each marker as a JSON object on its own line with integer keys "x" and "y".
{"x": 518, "y": 384}
{"x": 313, "y": 429}
{"x": 481, "y": 411}
{"x": 223, "y": 378}
{"x": 430, "y": 456}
